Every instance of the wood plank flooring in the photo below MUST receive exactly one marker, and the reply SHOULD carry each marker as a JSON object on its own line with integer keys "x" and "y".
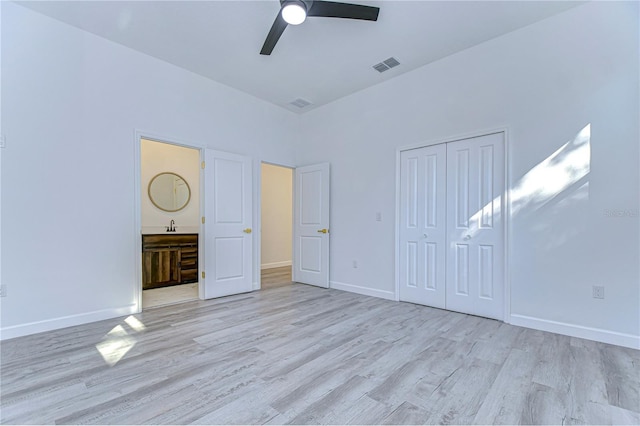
{"x": 304, "y": 355}
{"x": 169, "y": 295}
{"x": 275, "y": 277}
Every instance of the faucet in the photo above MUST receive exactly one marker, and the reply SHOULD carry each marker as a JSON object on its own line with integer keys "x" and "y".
{"x": 171, "y": 227}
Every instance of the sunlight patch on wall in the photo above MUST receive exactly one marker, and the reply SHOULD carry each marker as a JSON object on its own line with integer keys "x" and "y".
{"x": 563, "y": 172}
{"x": 494, "y": 206}
{"x": 554, "y": 175}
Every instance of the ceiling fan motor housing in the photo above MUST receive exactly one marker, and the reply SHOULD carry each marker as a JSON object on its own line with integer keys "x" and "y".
{"x": 319, "y": 8}
{"x": 306, "y": 4}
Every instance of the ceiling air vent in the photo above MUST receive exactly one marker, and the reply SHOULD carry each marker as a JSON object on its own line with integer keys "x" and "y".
{"x": 380, "y": 67}
{"x": 386, "y": 64}
{"x": 300, "y": 103}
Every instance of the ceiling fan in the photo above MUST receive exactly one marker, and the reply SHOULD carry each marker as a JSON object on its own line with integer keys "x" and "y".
{"x": 294, "y": 12}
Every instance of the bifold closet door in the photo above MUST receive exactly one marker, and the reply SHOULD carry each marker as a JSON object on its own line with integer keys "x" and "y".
{"x": 475, "y": 231}
{"x": 422, "y": 225}
{"x": 451, "y": 226}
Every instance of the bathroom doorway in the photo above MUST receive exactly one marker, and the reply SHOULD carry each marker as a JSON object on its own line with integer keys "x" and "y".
{"x": 276, "y": 225}
{"x": 170, "y": 222}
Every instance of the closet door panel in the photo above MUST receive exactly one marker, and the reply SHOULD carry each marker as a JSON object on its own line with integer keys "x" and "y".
{"x": 475, "y": 236}
{"x": 422, "y": 226}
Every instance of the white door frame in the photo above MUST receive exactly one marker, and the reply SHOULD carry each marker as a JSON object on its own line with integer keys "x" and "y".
{"x": 137, "y": 240}
{"x": 258, "y": 226}
{"x": 258, "y": 209}
{"x": 139, "y": 135}
{"x": 507, "y": 208}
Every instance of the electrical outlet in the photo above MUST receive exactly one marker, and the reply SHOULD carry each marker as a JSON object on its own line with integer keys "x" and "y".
{"x": 3, "y": 291}
{"x": 355, "y": 263}
{"x": 598, "y": 292}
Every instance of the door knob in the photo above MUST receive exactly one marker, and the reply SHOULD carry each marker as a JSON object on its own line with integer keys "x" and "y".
{"x": 425, "y": 235}
{"x": 247, "y": 231}
{"x": 467, "y": 238}
{"x": 323, "y": 231}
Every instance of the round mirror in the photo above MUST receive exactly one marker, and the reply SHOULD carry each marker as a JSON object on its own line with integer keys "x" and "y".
{"x": 169, "y": 192}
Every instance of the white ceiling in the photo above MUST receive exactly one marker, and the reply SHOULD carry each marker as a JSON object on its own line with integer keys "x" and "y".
{"x": 320, "y": 61}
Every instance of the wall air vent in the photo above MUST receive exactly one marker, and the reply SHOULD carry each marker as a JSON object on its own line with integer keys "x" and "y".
{"x": 300, "y": 103}
{"x": 386, "y": 64}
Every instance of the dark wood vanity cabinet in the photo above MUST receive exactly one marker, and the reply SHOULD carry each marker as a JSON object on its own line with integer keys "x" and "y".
{"x": 169, "y": 260}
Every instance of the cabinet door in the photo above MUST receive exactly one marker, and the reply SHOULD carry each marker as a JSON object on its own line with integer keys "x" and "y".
{"x": 189, "y": 264}
{"x": 161, "y": 267}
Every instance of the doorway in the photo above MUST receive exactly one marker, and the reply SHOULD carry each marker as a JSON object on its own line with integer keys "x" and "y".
{"x": 276, "y": 252}
{"x": 452, "y": 226}
{"x": 170, "y": 222}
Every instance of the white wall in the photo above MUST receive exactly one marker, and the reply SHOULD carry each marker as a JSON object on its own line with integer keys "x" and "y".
{"x": 546, "y": 82}
{"x": 1, "y": 147}
{"x": 71, "y": 105}
{"x": 155, "y": 158}
{"x": 277, "y": 216}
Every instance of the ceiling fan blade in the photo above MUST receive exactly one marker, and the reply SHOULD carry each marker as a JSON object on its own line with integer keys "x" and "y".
{"x": 331, "y": 9}
{"x": 274, "y": 35}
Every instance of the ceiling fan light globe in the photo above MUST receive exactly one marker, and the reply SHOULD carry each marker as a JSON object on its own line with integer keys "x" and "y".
{"x": 294, "y": 14}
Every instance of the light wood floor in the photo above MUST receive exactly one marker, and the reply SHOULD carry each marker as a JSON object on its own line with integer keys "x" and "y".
{"x": 169, "y": 295}
{"x": 271, "y": 278}
{"x": 275, "y": 277}
{"x": 300, "y": 354}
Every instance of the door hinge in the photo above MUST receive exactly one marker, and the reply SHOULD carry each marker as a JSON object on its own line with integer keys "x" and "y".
{"x": 202, "y": 219}
{"x": 202, "y": 165}
{"x": 202, "y": 274}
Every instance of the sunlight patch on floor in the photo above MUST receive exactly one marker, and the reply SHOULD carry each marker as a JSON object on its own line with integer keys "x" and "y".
{"x": 115, "y": 345}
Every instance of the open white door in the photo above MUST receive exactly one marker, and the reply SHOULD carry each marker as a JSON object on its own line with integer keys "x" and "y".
{"x": 228, "y": 241}
{"x": 311, "y": 225}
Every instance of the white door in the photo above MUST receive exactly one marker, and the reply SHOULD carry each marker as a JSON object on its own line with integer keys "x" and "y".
{"x": 311, "y": 225}
{"x": 423, "y": 225}
{"x": 228, "y": 238}
{"x": 451, "y": 226}
{"x": 475, "y": 231}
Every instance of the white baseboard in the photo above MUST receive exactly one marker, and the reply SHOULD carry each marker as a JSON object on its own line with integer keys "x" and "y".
{"x": 63, "y": 322}
{"x": 382, "y": 294}
{"x": 275, "y": 264}
{"x": 589, "y": 333}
